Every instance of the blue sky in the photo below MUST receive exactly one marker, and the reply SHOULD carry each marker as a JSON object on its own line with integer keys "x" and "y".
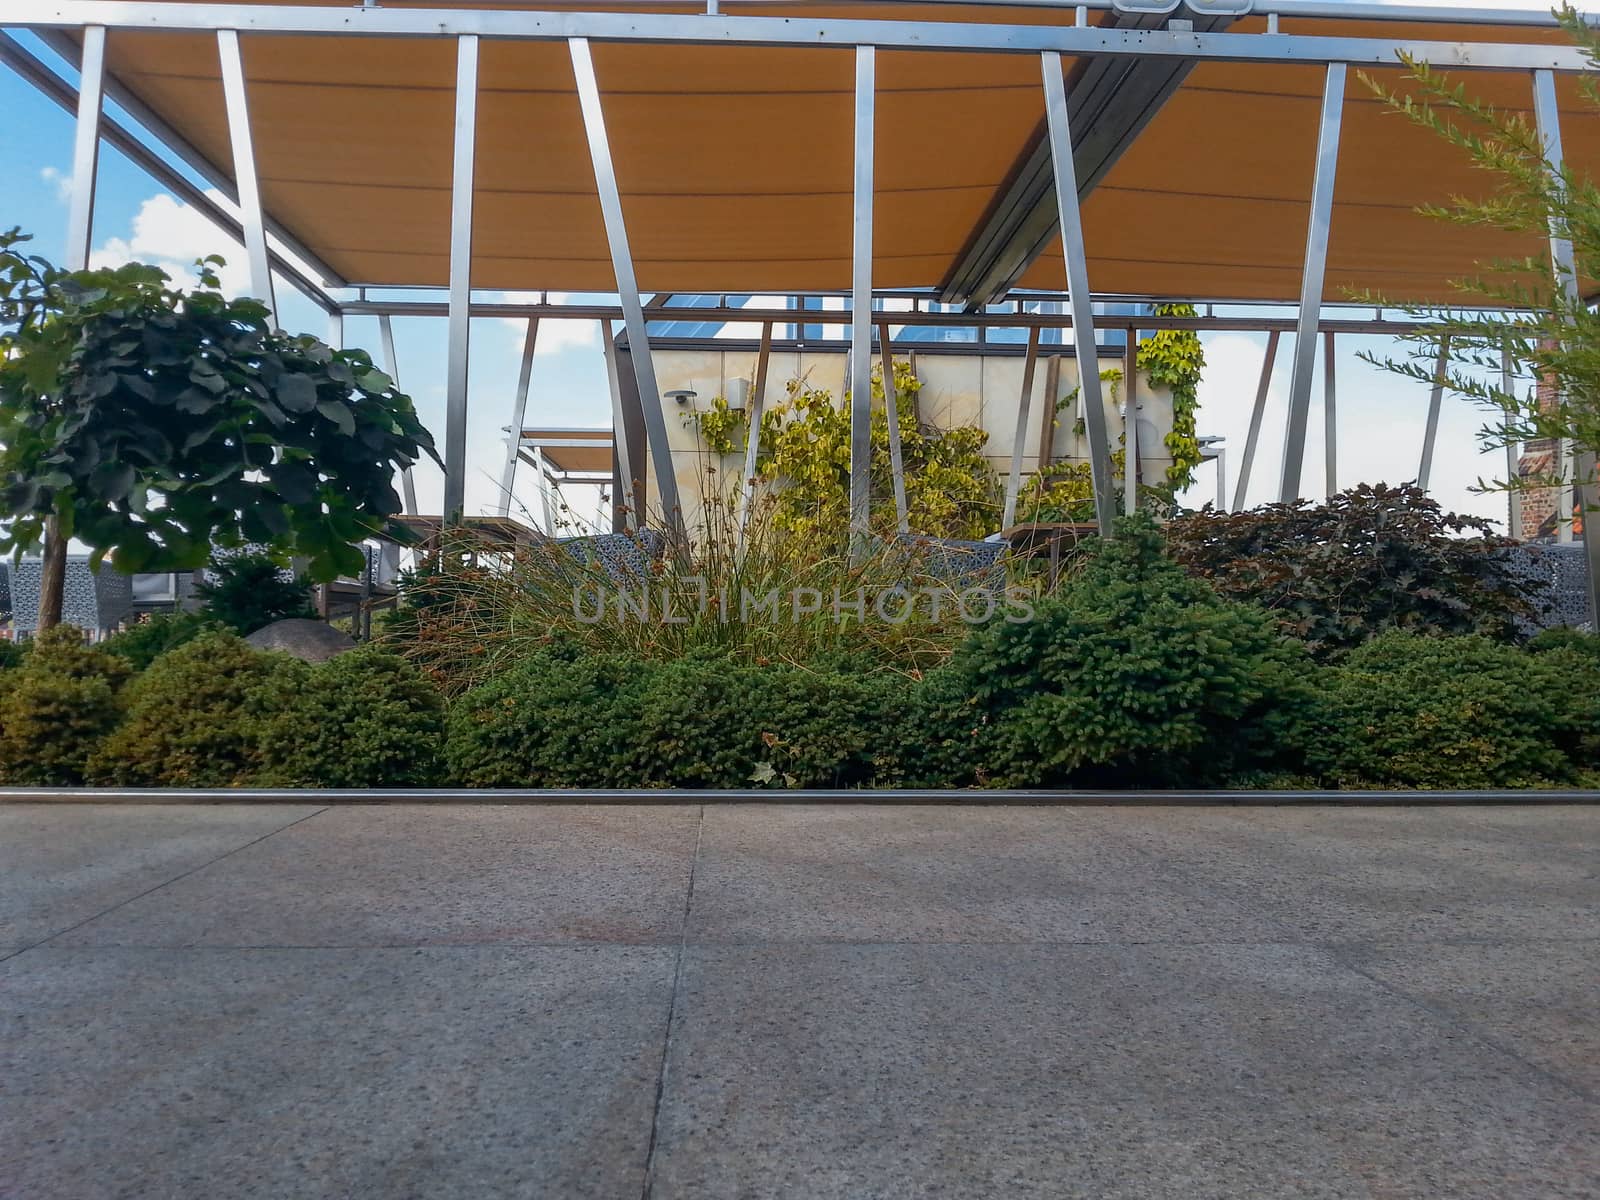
{"x": 1381, "y": 418}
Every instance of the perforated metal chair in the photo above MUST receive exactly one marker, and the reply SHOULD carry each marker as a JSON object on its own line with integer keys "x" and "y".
{"x": 93, "y": 600}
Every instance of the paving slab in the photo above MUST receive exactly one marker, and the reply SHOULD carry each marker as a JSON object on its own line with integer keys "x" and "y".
{"x": 481, "y": 1072}
{"x": 1021, "y": 1071}
{"x": 1363, "y": 875}
{"x": 60, "y": 865}
{"x": 1536, "y": 999}
{"x": 943, "y": 874}
{"x": 1450, "y": 1147}
{"x": 400, "y": 875}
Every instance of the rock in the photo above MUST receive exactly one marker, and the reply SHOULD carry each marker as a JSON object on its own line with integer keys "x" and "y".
{"x": 309, "y": 641}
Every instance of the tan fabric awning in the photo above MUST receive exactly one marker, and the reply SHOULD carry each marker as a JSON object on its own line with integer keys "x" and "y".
{"x": 735, "y": 168}
{"x": 574, "y": 451}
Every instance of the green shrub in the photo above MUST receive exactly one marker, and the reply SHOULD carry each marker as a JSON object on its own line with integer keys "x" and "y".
{"x": 12, "y": 654}
{"x": 57, "y": 708}
{"x": 718, "y": 724}
{"x": 143, "y": 643}
{"x": 1565, "y": 637}
{"x": 365, "y": 718}
{"x": 1370, "y": 559}
{"x": 1459, "y": 712}
{"x": 550, "y": 721}
{"x": 196, "y": 717}
{"x": 1134, "y": 674}
{"x": 251, "y": 593}
{"x": 569, "y": 719}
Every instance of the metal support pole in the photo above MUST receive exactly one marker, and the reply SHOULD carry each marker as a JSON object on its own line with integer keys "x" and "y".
{"x": 891, "y": 400}
{"x": 1222, "y": 480}
{"x": 1094, "y": 413}
{"x": 1130, "y": 424}
{"x": 1547, "y": 113}
{"x": 1330, "y": 418}
{"x": 336, "y": 330}
{"x": 86, "y": 148}
{"x": 861, "y": 301}
{"x": 754, "y": 408}
{"x": 1047, "y": 413}
{"x": 1513, "y": 451}
{"x": 1253, "y": 438}
{"x": 644, "y": 371}
{"x": 1311, "y": 285}
{"x": 460, "y": 336}
{"x": 391, "y": 368}
{"x": 244, "y": 170}
{"x": 632, "y": 500}
{"x": 519, "y": 409}
{"x": 1014, "y": 480}
{"x": 1430, "y": 434}
{"x": 546, "y": 507}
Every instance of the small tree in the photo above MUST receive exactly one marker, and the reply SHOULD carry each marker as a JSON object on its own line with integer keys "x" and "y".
{"x": 154, "y": 424}
{"x": 251, "y": 592}
{"x": 1553, "y": 336}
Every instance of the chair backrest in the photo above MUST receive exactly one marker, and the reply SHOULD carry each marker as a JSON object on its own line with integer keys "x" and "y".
{"x": 1562, "y": 568}
{"x": 956, "y": 560}
{"x": 625, "y": 558}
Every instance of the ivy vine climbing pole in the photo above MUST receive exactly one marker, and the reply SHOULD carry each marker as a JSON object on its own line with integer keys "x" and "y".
{"x": 1173, "y": 359}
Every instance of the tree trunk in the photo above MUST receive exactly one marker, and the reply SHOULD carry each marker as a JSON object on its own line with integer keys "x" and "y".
{"x": 52, "y": 584}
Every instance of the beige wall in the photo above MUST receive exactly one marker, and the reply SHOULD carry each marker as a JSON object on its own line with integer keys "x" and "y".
{"x": 957, "y": 390}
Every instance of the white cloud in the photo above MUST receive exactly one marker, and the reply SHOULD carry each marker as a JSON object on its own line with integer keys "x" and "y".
{"x": 171, "y": 235}
{"x": 554, "y": 335}
{"x": 61, "y": 180}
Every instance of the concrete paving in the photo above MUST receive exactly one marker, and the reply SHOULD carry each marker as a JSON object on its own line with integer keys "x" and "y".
{"x": 486, "y": 1001}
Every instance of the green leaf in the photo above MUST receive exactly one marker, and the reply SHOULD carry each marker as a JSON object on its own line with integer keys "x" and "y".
{"x": 297, "y": 393}
{"x": 340, "y": 415}
{"x": 296, "y": 482}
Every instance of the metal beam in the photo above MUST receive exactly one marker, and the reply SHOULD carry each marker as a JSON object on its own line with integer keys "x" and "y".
{"x": 1110, "y": 101}
{"x": 1311, "y": 284}
{"x": 630, "y": 497}
{"x": 755, "y": 406}
{"x": 460, "y": 336}
{"x": 1430, "y": 433}
{"x": 1088, "y": 354}
{"x": 861, "y": 300}
{"x": 1047, "y": 411}
{"x": 891, "y": 401}
{"x": 86, "y": 150}
{"x": 1548, "y": 115}
{"x": 1330, "y": 418}
{"x": 644, "y": 371}
{"x": 391, "y": 368}
{"x": 698, "y": 28}
{"x": 1253, "y": 438}
{"x": 1008, "y": 517}
{"x": 782, "y": 316}
{"x": 519, "y": 409}
{"x": 546, "y": 507}
{"x": 1130, "y": 424}
{"x": 1513, "y": 450}
{"x": 244, "y": 169}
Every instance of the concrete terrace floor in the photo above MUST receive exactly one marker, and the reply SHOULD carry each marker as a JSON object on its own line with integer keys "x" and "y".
{"x": 498, "y": 1001}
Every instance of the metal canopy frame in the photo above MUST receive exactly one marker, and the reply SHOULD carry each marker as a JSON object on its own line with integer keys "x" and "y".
{"x": 1126, "y": 68}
